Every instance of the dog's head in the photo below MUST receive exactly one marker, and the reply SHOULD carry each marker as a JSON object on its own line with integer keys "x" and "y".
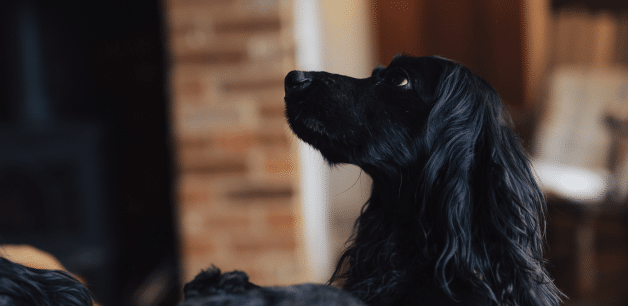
{"x": 390, "y": 119}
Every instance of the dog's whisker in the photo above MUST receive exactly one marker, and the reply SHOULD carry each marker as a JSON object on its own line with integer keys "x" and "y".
{"x": 400, "y": 184}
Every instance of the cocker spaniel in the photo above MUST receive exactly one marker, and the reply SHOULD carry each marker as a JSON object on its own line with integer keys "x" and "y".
{"x": 455, "y": 215}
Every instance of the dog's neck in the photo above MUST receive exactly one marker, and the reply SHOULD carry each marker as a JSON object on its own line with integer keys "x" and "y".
{"x": 392, "y": 215}
{"x": 394, "y": 188}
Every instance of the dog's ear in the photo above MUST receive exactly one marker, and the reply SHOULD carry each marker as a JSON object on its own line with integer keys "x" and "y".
{"x": 479, "y": 183}
{"x": 445, "y": 185}
{"x": 510, "y": 209}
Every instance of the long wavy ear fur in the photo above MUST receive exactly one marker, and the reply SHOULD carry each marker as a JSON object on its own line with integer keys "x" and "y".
{"x": 478, "y": 181}
{"x": 467, "y": 214}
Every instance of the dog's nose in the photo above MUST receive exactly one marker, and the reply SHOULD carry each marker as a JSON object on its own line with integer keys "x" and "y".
{"x": 297, "y": 80}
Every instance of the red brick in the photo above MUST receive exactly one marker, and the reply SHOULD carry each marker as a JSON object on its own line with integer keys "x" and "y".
{"x": 204, "y": 2}
{"x": 210, "y": 57}
{"x": 225, "y": 222}
{"x": 252, "y": 85}
{"x": 272, "y": 110}
{"x": 235, "y": 143}
{"x": 260, "y": 192}
{"x": 242, "y": 142}
{"x": 264, "y": 246}
{"x": 263, "y": 79}
{"x": 203, "y": 121}
{"x": 274, "y": 95}
{"x": 218, "y": 167}
{"x": 191, "y": 89}
{"x": 279, "y": 164}
{"x": 193, "y": 196}
{"x": 248, "y": 26}
{"x": 198, "y": 162}
{"x": 193, "y": 246}
{"x": 273, "y": 139}
{"x": 192, "y": 144}
{"x": 284, "y": 222}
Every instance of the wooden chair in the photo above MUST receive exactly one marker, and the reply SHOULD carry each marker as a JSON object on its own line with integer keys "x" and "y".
{"x": 580, "y": 156}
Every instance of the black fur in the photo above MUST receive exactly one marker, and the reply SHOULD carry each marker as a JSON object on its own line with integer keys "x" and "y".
{"x": 455, "y": 216}
{"x": 24, "y": 286}
{"x": 213, "y": 288}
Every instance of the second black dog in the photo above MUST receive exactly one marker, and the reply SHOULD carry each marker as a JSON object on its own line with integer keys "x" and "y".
{"x": 213, "y": 288}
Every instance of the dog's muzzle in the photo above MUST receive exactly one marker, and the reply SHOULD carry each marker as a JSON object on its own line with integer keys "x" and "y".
{"x": 296, "y": 81}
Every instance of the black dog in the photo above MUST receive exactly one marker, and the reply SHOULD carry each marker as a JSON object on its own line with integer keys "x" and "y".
{"x": 24, "y": 286}
{"x": 455, "y": 216}
{"x": 233, "y": 288}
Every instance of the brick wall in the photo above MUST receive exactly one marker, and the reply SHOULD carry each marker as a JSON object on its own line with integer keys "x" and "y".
{"x": 236, "y": 181}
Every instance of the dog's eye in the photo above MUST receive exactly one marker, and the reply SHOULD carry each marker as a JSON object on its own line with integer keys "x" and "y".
{"x": 397, "y": 79}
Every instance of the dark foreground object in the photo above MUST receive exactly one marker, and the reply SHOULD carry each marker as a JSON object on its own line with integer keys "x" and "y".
{"x": 24, "y": 286}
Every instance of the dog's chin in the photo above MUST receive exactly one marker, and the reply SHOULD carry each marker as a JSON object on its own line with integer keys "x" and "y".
{"x": 315, "y": 135}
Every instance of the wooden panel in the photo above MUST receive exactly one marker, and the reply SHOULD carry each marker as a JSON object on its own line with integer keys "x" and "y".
{"x": 397, "y": 27}
{"x": 485, "y": 35}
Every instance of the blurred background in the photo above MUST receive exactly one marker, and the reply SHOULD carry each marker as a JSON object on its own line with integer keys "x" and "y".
{"x": 142, "y": 141}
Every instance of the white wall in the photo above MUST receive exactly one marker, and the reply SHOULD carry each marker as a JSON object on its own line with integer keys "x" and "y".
{"x": 335, "y": 36}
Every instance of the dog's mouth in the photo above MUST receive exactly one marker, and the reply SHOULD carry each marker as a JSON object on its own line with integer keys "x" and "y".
{"x": 304, "y": 125}
{"x": 314, "y": 126}
{"x": 302, "y": 114}
{"x": 320, "y": 118}
{"x": 307, "y": 124}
